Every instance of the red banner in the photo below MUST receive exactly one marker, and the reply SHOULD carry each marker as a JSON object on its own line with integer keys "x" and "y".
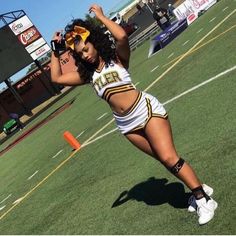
{"x": 28, "y": 36}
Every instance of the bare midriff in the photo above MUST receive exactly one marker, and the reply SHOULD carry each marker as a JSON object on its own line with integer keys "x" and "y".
{"x": 120, "y": 103}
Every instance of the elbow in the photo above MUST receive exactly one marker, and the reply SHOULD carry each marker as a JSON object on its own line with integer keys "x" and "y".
{"x": 54, "y": 79}
{"x": 123, "y": 37}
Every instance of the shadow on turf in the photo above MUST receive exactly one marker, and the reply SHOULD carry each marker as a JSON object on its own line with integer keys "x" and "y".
{"x": 156, "y": 192}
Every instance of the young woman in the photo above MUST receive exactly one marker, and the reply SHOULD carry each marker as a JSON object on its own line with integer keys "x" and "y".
{"x": 139, "y": 116}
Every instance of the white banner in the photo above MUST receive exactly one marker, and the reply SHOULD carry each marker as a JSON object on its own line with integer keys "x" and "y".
{"x": 190, "y": 8}
{"x": 35, "y": 45}
{"x": 202, "y": 4}
{"x": 20, "y": 25}
{"x": 186, "y": 10}
{"x": 39, "y": 52}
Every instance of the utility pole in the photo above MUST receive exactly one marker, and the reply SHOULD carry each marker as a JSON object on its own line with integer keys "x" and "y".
{"x": 18, "y": 97}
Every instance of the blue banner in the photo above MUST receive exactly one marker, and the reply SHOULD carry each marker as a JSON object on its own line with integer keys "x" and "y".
{"x": 166, "y": 36}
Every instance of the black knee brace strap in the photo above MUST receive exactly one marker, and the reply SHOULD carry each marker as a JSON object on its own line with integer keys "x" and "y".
{"x": 177, "y": 167}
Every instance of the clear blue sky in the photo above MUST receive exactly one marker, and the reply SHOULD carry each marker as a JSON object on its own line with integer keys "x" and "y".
{"x": 50, "y": 15}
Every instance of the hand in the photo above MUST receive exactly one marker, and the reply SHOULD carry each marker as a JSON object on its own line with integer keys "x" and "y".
{"x": 97, "y": 10}
{"x": 57, "y": 36}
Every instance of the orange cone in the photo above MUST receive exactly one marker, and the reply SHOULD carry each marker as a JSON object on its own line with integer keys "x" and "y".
{"x": 71, "y": 140}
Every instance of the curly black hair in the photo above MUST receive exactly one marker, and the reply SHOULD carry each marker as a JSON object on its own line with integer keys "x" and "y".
{"x": 102, "y": 43}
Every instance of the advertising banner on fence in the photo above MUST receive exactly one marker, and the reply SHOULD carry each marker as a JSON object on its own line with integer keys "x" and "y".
{"x": 166, "y": 36}
{"x": 190, "y": 9}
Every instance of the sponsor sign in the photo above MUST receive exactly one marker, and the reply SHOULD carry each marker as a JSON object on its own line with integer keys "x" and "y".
{"x": 20, "y": 25}
{"x": 35, "y": 45}
{"x": 28, "y": 36}
{"x": 189, "y": 9}
{"x": 186, "y": 11}
{"x": 40, "y": 51}
{"x": 202, "y": 4}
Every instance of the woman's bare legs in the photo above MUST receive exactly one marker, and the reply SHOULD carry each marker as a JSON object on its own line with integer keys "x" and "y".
{"x": 156, "y": 140}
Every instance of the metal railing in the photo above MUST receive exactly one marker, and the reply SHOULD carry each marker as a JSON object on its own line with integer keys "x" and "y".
{"x": 138, "y": 39}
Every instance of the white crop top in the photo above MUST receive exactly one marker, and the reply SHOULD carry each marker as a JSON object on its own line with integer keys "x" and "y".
{"x": 110, "y": 80}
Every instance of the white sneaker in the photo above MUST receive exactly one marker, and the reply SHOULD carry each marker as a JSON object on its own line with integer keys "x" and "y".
{"x": 192, "y": 200}
{"x": 205, "y": 210}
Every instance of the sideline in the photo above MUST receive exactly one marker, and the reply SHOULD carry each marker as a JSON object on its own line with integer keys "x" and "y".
{"x": 74, "y": 152}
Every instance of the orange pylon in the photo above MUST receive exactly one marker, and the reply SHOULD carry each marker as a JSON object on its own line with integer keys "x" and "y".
{"x": 71, "y": 140}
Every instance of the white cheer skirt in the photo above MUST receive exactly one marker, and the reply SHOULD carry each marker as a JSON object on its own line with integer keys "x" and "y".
{"x": 144, "y": 108}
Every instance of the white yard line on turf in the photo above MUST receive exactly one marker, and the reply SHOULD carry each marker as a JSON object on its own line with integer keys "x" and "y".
{"x": 136, "y": 83}
{"x": 225, "y": 8}
{"x": 100, "y": 117}
{"x": 1, "y": 208}
{"x": 199, "y": 30}
{"x": 80, "y": 134}
{"x": 18, "y": 200}
{"x": 99, "y": 137}
{"x": 212, "y": 19}
{"x": 200, "y": 85}
{"x": 154, "y": 68}
{"x": 91, "y": 137}
{"x": 185, "y": 43}
{"x": 171, "y": 55}
{"x": 171, "y": 100}
{"x": 58, "y": 153}
{"x": 5, "y": 198}
{"x": 33, "y": 175}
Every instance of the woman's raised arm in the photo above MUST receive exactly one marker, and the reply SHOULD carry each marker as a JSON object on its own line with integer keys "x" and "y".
{"x": 70, "y": 78}
{"x": 119, "y": 34}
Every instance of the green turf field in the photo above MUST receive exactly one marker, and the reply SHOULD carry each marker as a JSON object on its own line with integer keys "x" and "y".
{"x": 110, "y": 187}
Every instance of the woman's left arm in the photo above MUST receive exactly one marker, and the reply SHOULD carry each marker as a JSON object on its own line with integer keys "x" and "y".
{"x": 119, "y": 34}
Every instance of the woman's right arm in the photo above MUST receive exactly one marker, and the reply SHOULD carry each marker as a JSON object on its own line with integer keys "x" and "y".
{"x": 119, "y": 34}
{"x": 67, "y": 79}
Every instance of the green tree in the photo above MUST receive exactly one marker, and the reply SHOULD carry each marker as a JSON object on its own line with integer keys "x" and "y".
{"x": 32, "y": 67}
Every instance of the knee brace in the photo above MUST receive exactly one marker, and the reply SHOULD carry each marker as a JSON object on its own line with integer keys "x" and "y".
{"x": 177, "y": 167}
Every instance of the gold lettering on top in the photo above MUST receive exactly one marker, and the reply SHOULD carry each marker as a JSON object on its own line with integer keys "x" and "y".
{"x": 106, "y": 78}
